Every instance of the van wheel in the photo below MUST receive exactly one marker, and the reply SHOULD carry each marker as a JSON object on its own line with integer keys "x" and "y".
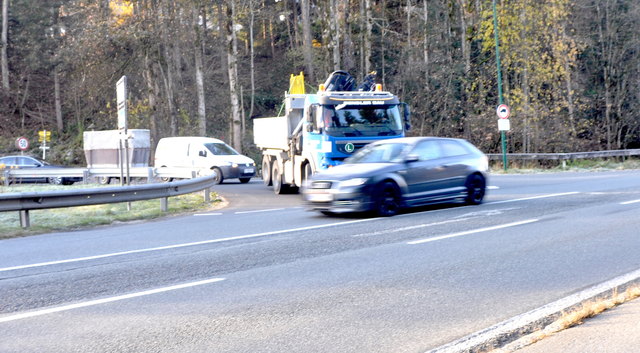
{"x": 266, "y": 171}
{"x": 219, "y": 178}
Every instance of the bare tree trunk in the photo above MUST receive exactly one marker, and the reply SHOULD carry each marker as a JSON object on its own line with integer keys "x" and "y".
{"x": 335, "y": 34}
{"x": 253, "y": 59}
{"x": 426, "y": 48}
{"x": 168, "y": 75}
{"x": 152, "y": 94}
{"x": 4, "y": 62}
{"x": 58, "y": 105}
{"x": 307, "y": 45}
{"x": 365, "y": 9}
{"x": 232, "y": 68}
{"x": 198, "y": 50}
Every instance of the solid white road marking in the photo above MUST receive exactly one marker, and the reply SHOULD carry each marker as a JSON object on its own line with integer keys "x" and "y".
{"x": 105, "y": 300}
{"x": 175, "y": 246}
{"x": 473, "y": 231}
{"x": 629, "y": 202}
{"x": 536, "y": 197}
{"x": 208, "y": 214}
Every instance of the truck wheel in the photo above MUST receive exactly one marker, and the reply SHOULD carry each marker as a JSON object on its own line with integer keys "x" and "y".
{"x": 219, "y": 177}
{"x": 276, "y": 179}
{"x": 306, "y": 172}
{"x": 266, "y": 171}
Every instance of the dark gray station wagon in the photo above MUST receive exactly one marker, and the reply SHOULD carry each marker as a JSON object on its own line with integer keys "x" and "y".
{"x": 389, "y": 175}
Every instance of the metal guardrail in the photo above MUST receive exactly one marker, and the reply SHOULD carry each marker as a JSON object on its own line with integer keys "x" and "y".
{"x": 26, "y": 201}
{"x": 567, "y": 156}
{"x": 139, "y": 172}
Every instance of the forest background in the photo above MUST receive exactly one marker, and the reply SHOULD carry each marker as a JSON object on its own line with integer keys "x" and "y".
{"x": 570, "y": 68}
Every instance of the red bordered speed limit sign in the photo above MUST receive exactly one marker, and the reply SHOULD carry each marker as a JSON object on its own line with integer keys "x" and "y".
{"x": 503, "y": 111}
{"x": 22, "y": 143}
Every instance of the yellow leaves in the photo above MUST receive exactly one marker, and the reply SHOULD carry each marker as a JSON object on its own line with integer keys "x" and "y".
{"x": 121, "y": 10}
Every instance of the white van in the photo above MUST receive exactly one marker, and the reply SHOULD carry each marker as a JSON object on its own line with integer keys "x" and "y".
{"x": 204, "y": 154}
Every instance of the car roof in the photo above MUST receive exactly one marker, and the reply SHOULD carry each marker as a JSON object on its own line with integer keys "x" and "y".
{"x": 413, "y": 139}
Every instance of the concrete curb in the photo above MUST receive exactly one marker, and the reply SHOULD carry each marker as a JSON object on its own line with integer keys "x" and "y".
{"x": 512, "y": 329}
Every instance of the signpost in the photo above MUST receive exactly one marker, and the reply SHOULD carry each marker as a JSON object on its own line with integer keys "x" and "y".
{"x": 44, "y": 136}
{"x": 503, "y": 109}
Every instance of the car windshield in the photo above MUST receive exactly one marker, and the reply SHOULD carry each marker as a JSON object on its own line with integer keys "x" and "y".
{"x": 220, "y": 149}
{"x": 382, "y": 120}
{"x": 379, "y": 153}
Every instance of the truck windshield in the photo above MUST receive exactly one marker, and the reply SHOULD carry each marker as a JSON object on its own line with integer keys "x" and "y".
{"x": 220, "y": 149}
{"x": 357, "y": 120}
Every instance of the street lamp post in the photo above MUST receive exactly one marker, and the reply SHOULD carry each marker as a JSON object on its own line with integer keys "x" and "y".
{"x": 503, "y": 134}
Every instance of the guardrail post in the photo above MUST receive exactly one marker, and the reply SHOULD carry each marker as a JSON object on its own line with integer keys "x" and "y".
{"x": 164, "y": 204}
{"x": 207, "y": 195}
{"x": 6, "y": 177}
{"x": 85, "y": 176}
{"x": 24, "y": 219}
{"x": 150, "y": 175}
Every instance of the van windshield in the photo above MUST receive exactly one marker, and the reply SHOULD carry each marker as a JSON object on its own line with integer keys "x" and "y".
{"x": 220, "y": 149}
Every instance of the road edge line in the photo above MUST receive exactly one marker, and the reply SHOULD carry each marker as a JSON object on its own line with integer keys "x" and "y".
{"x": 512, "y": 329}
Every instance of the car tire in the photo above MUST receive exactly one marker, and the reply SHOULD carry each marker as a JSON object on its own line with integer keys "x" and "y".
{"x": 476, "y": 189}
{"x": 389, "y": 199}
{"x": 55, "y": 180}
{"x": 266, "y": 171}
{"x": 219, "y": 178}
{"x": 244, "y": 180}
{"x": 104, "y": 180}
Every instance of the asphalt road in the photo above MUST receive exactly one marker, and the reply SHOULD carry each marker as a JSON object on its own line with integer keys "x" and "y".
{"x": 265, "y": 275}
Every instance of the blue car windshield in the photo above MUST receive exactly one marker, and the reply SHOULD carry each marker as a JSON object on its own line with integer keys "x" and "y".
{"x": 380, "y": 153}
{"x": 372, "y": 120}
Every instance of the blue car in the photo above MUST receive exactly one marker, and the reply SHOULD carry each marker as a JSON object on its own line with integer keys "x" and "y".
{"x": 23, "y": 162}
{"x": 389, "y": 175}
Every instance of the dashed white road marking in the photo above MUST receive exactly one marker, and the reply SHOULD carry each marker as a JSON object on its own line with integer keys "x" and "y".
{"x": 473, "y": 231}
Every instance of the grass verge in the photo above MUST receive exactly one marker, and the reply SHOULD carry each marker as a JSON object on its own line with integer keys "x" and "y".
{"x": 70, "y": 218}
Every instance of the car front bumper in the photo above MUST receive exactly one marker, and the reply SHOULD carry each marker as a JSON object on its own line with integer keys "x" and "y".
{"x": 338, "y": 200}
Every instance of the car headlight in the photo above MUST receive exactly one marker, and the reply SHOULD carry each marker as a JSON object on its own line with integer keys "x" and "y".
{"x": 353, "y": 182}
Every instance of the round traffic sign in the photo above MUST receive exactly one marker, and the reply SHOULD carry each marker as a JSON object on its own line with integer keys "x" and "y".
{"x": 22, "y": 143}
{"x": 503, "y": 111}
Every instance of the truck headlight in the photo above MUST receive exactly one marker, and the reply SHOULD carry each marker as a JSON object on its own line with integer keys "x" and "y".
{"x": 353, "y": 182}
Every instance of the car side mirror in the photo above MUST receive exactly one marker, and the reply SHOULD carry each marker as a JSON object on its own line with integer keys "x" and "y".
{"x": 412, "y": 158}
{"x": 202, "y": 153}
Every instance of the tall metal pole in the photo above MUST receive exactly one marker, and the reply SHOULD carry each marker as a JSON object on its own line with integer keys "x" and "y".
{"x": 503, "y": 134}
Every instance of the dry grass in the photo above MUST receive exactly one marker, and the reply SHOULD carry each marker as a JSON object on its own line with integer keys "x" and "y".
{"x": 572, "y": 318}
